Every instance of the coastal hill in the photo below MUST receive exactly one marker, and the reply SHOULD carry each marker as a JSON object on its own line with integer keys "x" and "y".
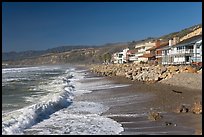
{"x": 83, "y": 53}
{"x": 183, "y": 33}
{"x": 33, "y": 53}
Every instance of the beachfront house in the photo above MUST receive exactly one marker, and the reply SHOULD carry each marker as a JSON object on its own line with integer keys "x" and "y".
{"x": 158, "y": 52}
{"x": 163, "y": 44}
{"x": 184, "y": 52}
{"x": 153, "y": 54}
{"x": 120, "y": 57}
{"x": 143, "y": 53}
{"x": 197, "y": 52}
{"x": 114, "y": 58}
{"x": 131, "y": 55}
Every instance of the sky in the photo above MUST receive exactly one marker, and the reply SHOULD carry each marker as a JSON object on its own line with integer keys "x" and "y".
{"x": 43, "y": 25}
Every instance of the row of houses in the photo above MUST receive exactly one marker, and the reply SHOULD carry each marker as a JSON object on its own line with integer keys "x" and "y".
{"x": 173, "y": 51}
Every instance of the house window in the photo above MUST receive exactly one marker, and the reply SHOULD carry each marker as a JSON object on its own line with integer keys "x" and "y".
{"x": 190, "y": 47}
{"x": 165, "y": 52}
{"x": 187, "y": 58}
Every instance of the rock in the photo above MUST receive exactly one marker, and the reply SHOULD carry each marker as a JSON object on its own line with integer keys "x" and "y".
{"x": 169, "y": 75}
{"x": 163, "y": 69}
{"x": 182, "y": 109}
{"x": 138, "y": 77}
{"x": 145, "y": 68}
{"x": 197, "y": 108}
{"x": 128, "y": 76}
{"x": 129, "y": 73}
{"x": 154, "y": 116}
{"x": 198, "y": 132}
{"x": 134, "y": 73}
{"x": 164, "y": 75}
{"x": 173, "y": 69}
{"x": 182, "y": 69}
{"x": 168, "y": 123}
{"x": 199, "y": 71}
{"x": 156, "y": 77}
{"x": 190, "y": 69}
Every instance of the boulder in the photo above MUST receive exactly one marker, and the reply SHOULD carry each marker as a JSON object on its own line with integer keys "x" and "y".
{"x": 182, "y": 109}
{"x": 198, "y": 132}
{"x": 173, "y": 69}
{"x": 129, "y": 73}
{"x": 129, "y": 76}
{"x": 156, "y": 77}
{"x": 200, "y": 71}
{"x": 190, "y": 69}
{"x": 154, "y": 116}
{"x": 134, "y": 73}
{"x": 163, "y": 69}
{"x": 197, "y": 108}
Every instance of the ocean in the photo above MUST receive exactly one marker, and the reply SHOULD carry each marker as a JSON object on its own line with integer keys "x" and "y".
{"x": 39, "y": 100}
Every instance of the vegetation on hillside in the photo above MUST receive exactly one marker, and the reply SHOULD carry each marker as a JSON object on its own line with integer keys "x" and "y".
{"x": 81, "y": 54}
{"x": 180, "y": 33}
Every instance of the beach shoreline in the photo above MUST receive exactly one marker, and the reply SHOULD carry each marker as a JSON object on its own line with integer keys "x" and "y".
{"x": 136, "y": 101}
{"x": 166, "y": 102}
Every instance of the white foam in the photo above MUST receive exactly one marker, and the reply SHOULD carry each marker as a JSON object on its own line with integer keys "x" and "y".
{"x": 25, "y": 69}
{"x": 86, "y": 107}
{"x": 14, "y": 70}
{"x": 93, "y": 78}
{"x": 97, "y": 85}
{"x": 80, "y": 118}
{"x": 16, "y": 121}
{"x": 51, "y": 115}
{"x": 90, "y": 124}
{"x": 26, "y": 117}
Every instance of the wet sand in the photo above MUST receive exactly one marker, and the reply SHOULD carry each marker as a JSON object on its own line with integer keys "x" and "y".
{"x": 131, "y": 105}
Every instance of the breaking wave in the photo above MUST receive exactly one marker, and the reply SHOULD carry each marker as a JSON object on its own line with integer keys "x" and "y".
{"x": 16, "y": 121}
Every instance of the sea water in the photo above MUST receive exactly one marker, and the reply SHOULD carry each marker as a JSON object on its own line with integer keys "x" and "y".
{"x": 40, "y": 100}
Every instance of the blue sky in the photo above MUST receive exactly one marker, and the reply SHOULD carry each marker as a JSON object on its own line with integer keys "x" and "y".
{"x": 43, "y": 25}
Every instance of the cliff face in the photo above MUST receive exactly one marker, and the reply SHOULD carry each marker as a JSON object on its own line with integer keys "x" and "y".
{"x": 197, "y": 31}
{"x": 185, "y": 33}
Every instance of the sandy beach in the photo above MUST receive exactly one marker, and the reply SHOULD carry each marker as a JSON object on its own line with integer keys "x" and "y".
{"x": 131, "y": 106}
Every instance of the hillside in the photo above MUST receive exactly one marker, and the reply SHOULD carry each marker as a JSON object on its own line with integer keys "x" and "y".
{"x": 85, "y": 55}
{"x": 79, "y": 54}
{"x": 181, "y": 33}
{"x": 31, "y": 53}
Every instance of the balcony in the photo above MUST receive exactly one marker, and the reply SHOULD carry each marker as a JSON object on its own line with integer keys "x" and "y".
{"x": 134, "y": 58}
{"x": 158, "y": 55}
{"x": 184, "y": 51}
{"x": 148, "y": 55}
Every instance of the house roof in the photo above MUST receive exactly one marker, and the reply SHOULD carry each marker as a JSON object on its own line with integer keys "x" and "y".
{"x": 152, "y": 48}
{"x": 148, "y": 55}
{"x": 160, "y": 46}
{"x": 132, "y": 51}
{"x": 191, "y": 40}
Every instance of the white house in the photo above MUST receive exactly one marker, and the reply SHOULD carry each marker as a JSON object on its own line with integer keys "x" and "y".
{"x": 185, "y": 52}
{"x": 131, "y": 55}
{"x": 120, "y": 57}
{"x": 197, "y": 52}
